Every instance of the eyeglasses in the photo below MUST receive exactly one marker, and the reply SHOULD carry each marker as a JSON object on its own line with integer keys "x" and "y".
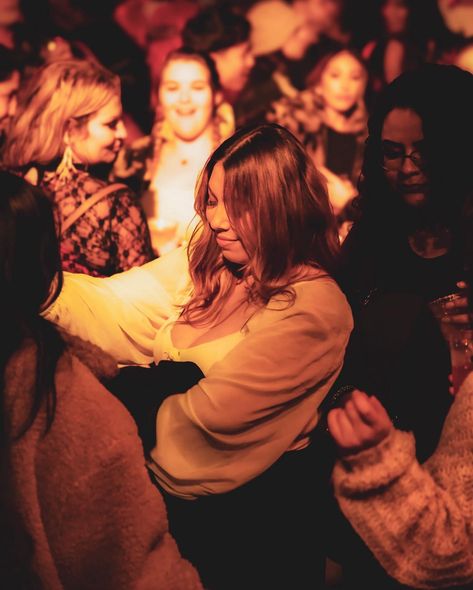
{"x": 394, "y": 160}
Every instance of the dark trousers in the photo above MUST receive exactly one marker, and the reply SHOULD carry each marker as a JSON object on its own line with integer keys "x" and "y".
{"x": 266, "y": 534}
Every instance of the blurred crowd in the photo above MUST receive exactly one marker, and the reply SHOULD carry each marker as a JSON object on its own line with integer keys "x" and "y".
{"x": 223, "y": 225}
{"x": 313, "y": 66}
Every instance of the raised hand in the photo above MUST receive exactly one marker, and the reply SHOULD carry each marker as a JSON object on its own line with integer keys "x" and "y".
{"x": 361, "y": 424}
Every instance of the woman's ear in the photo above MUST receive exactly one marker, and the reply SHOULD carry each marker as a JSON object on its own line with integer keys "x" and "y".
{"x": 67, "y": 135}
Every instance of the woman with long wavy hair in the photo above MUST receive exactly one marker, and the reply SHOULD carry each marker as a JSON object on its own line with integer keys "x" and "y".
{"x": 252, "y": 304}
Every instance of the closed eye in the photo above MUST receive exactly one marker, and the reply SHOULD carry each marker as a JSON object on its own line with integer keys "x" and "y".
{"x": 113, "y": 124}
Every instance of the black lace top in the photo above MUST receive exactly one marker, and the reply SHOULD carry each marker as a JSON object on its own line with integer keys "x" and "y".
{"x": 110, "y": 237}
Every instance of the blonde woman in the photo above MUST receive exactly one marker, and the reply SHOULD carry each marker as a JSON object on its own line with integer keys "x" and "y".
{"x": 69, "y": 118}
{"x": 191, "y": 120}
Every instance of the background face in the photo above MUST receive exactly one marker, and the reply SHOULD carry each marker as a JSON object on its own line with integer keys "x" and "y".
{"x": 402, "y": 134}
{"x": 342, "y": 83}
{"x": 217, "y": 217}
{"x": 234, "y": 65}
{"x": 186, "y": 98}
{"x": 103, "y": 136}
{"x": 395, "y": 14}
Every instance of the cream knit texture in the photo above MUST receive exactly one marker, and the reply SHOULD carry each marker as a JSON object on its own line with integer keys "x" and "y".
{"x": 416, "y": 519}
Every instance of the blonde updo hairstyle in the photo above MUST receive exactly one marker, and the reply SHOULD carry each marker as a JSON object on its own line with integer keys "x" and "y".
{"x": 58, "y": 98}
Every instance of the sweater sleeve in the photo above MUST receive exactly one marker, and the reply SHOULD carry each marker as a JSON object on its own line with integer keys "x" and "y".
{"x": 259, "y": 401}
{"x": 121, "y": 314}
{"x": 417, "y": 520}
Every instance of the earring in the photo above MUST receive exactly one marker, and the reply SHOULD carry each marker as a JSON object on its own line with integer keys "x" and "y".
{"x": 66, "y": 166}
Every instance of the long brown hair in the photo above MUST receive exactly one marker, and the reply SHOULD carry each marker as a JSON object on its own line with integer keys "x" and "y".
{"x": 278, "y": 205}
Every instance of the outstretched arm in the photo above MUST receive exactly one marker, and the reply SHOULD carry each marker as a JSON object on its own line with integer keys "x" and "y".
{"x": 122, "y": 313}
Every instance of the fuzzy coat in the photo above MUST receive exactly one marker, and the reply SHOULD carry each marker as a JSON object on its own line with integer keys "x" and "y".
{"x": 82, "y": 490}
{"x": 416, "y": 519}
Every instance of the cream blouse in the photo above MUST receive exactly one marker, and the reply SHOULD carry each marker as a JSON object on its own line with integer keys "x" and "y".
{"x": 262, "y": 386}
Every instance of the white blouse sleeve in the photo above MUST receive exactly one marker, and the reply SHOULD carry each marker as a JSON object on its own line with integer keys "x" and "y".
{"x": 121, "y": 314}
{"x": 256, "y": 403}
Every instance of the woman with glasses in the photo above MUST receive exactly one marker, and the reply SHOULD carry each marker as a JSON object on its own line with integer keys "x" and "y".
{"x": 405, "y": 250}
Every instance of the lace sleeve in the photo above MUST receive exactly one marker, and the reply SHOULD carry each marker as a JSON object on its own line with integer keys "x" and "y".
{"x": 130, "y": 231}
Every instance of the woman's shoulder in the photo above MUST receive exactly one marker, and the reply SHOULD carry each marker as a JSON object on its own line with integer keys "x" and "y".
{"x": 84, "y": 405}
{"x": 80, "y": 183}
{"x": 93, "y": 185}
{"x": 101, "y": 364}
{"x": 321, "y": 292}
{"x": 77, "y": 359}
{"x": 317, "y": 298}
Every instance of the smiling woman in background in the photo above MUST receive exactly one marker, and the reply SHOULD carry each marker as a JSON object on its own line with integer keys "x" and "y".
{"x": 69, "y": 117}
{"x": 190, "y": 123}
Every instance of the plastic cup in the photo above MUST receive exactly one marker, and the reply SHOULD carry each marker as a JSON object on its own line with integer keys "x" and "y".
{"x": 461, "y": 354}
{"x": 440, "y": 310}
{"x": 458, "y": 336}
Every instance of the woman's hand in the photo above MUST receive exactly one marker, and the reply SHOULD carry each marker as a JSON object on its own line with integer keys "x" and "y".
{"x": 361, "y": 424}
{"x": 457, "y": 310}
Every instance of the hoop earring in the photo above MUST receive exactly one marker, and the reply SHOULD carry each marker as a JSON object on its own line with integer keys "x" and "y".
{"x": 66, "y": 166}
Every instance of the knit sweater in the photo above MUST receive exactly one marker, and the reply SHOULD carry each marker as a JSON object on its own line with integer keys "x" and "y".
{"x": 416, "y": 519}
{"x": 81, "y": 490}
